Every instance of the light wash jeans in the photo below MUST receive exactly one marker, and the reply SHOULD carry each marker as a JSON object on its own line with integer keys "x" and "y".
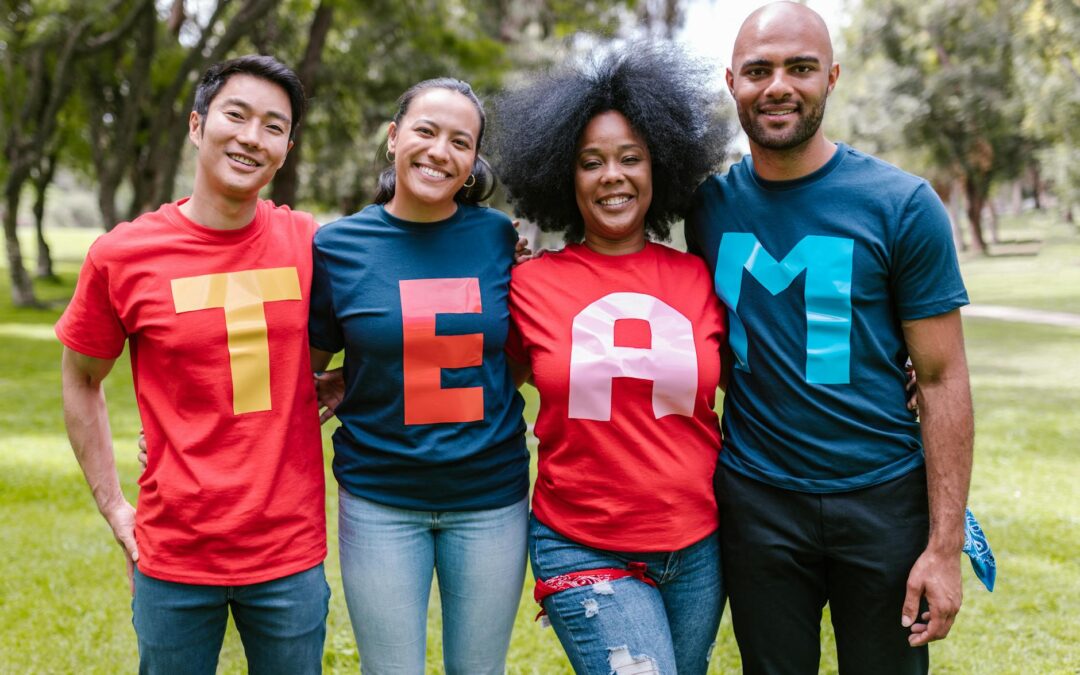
{"x": 387, "y": 558}
{"x": 282, "y": 624}
{"x": 628, "y": 626}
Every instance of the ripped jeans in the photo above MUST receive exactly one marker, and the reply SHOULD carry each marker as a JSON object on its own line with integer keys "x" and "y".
{"x": 627, "y": 626}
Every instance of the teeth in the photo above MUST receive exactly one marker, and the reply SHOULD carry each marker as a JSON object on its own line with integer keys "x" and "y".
{"x": 777, "y": 113}
{"x": 615, "y": 201}
{"x": 243, "y": 160}
{"x": 428, "y": 171}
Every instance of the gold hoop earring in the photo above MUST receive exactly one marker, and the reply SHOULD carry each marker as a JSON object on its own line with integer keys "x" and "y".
{"x": 467, "y": 184}
{"x": 389, "y": 156}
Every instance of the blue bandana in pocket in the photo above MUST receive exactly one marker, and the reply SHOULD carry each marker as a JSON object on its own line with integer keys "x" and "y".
{"x": 978, "y": 549}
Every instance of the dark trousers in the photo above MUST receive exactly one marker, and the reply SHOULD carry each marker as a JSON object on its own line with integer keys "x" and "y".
{"x": 785, "y": 554}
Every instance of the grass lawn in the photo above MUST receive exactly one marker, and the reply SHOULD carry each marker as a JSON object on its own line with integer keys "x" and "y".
{"x": 64, "y": 604}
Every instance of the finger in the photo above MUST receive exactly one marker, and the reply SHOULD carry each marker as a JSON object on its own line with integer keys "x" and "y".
{"x": 142, "y": 442}
{"x": 516, "y": 223}
{"x": 325, "y": 415}
{"x": 911, "y": 604}
{"x": 130, "y": 574}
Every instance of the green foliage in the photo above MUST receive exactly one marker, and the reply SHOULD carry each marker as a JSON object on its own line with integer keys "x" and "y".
{"x": 64, "y": 605}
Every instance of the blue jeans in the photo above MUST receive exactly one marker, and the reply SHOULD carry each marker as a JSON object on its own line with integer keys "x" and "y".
{"x": 628, "y": 624}
{"x": 282, "y": 623}
{"x": 387, "y": 559}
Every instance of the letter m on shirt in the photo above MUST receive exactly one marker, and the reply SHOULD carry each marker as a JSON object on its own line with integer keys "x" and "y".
{"x": 827, "y": 262}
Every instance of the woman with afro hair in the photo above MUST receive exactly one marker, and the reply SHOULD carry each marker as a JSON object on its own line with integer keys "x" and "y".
{"x": 623, "y": 337}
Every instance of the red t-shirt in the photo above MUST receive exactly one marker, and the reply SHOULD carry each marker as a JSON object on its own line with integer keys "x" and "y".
{"x": 233, "y": 491}
{"x": 625, "y": 351}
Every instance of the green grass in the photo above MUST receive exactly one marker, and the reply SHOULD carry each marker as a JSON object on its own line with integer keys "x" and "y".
{"x": 65, "y": 608}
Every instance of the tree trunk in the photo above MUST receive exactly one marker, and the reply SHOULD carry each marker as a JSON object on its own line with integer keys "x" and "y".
{"x": 287, "y": 179}
{"x": 41, "y": 187}
{"x": 22, "y": 288}
{"x": 995, "y": 236}
{"x": 976, "y": 200}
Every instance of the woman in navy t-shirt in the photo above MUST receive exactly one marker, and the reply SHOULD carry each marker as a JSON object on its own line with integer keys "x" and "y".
{"x": 430, "y": 455}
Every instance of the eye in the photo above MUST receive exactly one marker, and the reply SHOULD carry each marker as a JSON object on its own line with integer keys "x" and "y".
{"x": 234, "y": 114}
{"x": 275, "y": 128}
{"x": 424, "y": 131}
{"x": 756, "y": 72}
{"x": 803, "y": 69}
{"x": 589, "y": 164}
{"x": 631, "y": 159}
{"x": 462, "y": 143}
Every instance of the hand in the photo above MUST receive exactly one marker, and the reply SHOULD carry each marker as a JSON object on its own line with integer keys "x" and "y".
{"x": 912, "y": 388}
{"x": 142, "y": 449}
{"x": 330, "y": 390}
{"x": 121, "y": 518}
{"x": 936, "y": 577}
{"x": 522, "y": 252}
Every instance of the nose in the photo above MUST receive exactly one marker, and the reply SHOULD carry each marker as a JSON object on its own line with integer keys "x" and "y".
{"x": 439, "y": 149}
{"x": 612, "y": 173}
{"x": 778, "y": 86}
{"x": 250, "y": 133}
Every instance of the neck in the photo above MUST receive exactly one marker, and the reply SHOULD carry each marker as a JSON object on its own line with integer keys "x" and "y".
{"x": 615, "y": 247}
{"x": 420, "y": 213}
{"x": 794, "y": 162}
{"x": 218, "y": 212}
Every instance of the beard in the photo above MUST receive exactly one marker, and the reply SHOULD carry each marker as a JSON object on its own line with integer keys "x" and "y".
{"x": 809, "y": 122}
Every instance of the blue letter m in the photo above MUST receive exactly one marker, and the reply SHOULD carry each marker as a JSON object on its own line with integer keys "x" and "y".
{"x": 828, "y": 262}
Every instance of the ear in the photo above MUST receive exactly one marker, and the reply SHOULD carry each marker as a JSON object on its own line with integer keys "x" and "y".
{"x": 834, "y": 75}
{"x": 195, "y": 128}
{"x": 391, "y": 136}
{"x": 730, "y": 78}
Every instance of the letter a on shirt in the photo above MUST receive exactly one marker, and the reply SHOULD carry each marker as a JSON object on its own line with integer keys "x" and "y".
{"x": 670, "y": 361}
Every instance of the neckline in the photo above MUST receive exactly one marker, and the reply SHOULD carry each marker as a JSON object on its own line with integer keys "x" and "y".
{"x": 801, "y": 181}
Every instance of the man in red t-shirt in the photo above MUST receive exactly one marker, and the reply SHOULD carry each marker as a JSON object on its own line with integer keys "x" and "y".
{"x": 208, "y": 292}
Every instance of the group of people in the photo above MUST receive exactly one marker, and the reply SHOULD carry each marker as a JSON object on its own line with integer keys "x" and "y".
{"x": 826, "y": 489}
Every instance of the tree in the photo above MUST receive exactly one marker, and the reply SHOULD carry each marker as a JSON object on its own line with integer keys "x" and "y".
{"x": 42, "y": 46}
{"x": 954, "y": 59}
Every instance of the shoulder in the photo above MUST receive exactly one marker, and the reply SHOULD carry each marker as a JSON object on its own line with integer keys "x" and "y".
{"x": 544, "y": 266}
{"x": 887, "y": 178}
{"x": 130, "y": 238}
{"x": 686, "y": 265}
{"x": 485, "y": 215}
{"x": 298, "y": 224}
{"x": 349, "y": 226}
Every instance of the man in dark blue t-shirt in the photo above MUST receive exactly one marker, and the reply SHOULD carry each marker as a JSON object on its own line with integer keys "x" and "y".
{"x": 835, "y": 267}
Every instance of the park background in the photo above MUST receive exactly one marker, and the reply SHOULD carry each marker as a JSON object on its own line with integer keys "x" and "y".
{"x": 980, "y": 96}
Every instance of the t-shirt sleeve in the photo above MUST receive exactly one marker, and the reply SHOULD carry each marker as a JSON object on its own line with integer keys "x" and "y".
{"x": 925, "y": 274}
{"x": 90, "y": 325}
{"x": 692, "y": 224}
{"x": 324, "y": 329}
{"x": 515, "y": 344}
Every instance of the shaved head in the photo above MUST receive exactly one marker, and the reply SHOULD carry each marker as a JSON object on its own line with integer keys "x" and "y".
{"x": 782, "y": 19}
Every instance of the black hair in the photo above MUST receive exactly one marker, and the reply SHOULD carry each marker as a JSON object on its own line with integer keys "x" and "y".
{"x": 257, "y": 65}
{"x": 662, "y": 93}
{"x": 485, "y": 177}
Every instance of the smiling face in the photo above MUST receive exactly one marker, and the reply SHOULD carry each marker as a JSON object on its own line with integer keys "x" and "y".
{"x": 613, "y": 184}
{"x": 781, "y": 75}
{"x": 242, "y": 140}
{"x": 434, "y": 147}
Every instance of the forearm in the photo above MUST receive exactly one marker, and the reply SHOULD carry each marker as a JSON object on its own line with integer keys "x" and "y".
{"x": 948, "y": 434}
{"x": 87, "y": 420}
{"x": 320, "y": 359}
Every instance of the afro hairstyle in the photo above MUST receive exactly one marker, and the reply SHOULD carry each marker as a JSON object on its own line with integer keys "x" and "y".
{"x": 665, "y": 96}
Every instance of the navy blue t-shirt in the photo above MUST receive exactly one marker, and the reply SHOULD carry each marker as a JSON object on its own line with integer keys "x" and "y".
{"x": 818, "y": 274}
{"x": 431, "y": 419}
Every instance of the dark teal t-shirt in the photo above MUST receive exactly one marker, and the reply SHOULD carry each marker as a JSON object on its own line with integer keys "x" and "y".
{"x": 431, "y": 419}
{"x": 817, "y": 274}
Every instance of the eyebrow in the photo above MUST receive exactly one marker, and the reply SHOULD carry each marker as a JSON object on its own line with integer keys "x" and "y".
{"x": 241, "y": 103}
{"x": 789, "y": 61}
{"x": 624, "y": 146}
{"x": 435, "y": 124}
